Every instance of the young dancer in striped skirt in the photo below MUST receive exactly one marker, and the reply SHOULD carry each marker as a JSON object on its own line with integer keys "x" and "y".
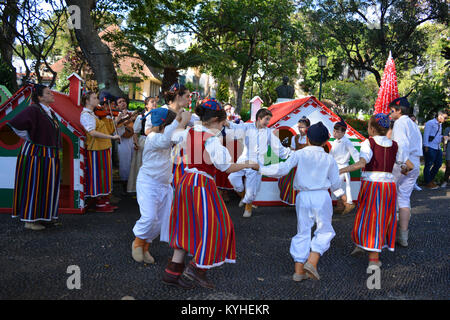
{"x": 286, "y": 183}
{"x": 98, "y": 173}
{"x": 200, "y": 224}
{"x": 37, "y": 177}
{"x": 375, "y": 222}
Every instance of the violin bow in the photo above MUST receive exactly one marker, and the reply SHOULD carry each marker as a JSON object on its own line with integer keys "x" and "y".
{"x": 112, "y": 117}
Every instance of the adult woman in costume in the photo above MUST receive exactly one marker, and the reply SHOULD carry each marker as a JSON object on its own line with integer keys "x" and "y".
{"x": 37, "y": 177}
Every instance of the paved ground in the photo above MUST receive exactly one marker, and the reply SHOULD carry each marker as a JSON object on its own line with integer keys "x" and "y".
{"x": 34, "y": 264}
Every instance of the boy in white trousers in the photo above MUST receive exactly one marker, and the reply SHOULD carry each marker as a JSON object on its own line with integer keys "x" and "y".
{"x": 317, "y": 172}
{"x": 153, "y": 186}
{"x": 341, "y": 150}
{"x": 256, "y": 139}
{"x": 409, "y": 139}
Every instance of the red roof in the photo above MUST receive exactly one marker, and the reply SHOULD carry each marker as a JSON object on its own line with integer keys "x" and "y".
{"x": 282, "y": 109}
{"x": 67, "y": 110}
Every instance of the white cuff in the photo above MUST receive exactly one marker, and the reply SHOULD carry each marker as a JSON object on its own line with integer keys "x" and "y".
{"x": 338, "y": 193}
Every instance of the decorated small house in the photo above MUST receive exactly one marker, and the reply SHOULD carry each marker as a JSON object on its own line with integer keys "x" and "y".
{"x": 284, "y": 121}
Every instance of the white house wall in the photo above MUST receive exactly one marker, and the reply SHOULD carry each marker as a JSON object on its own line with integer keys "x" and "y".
{"x": 7, "y": 177}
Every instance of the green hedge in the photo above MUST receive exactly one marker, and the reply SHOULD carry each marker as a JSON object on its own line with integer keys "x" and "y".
{"x": 358, "y": 125}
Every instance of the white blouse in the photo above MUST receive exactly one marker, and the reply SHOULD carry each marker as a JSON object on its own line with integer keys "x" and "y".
{"x": 88, "y": 119}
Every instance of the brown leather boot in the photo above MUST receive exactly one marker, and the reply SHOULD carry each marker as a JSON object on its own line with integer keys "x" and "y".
{"x": 339, "y": 208}
{"x": 198, "y": 275}
{"x": 348, "y": 207}
{"x": 173, "y": 275}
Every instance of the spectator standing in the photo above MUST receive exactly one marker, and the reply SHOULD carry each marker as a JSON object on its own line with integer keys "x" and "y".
{"x": 432, "y": 138}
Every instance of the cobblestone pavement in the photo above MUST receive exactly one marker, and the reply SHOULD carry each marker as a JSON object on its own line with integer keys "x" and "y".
{"x": 34, "y": 264}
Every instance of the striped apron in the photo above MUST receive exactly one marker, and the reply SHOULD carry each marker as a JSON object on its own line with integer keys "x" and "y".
{"x": 37, "y": 183}
{"x": 200, "y": 223}
{"x": 375, "y": 222}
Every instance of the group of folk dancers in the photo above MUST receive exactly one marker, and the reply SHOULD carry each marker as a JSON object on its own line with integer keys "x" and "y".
{"x": 182, "y": 155}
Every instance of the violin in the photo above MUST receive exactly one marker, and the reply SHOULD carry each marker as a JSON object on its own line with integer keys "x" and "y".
{"x": 130, "y": 117}
{"x": 102, "y": 111}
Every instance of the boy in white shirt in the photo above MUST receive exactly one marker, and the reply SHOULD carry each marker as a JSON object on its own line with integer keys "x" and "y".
{"x": 153, "y": 186}
{"x": 256, "y": 139}
{"x": 409, "y": 139}
{"x": 317, "y": 172}
{"x": 341, "y": 150}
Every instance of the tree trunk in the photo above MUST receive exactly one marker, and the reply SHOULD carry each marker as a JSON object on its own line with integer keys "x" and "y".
{"x": 96, "y": 52}
{"x": 170, "y": 76}
{"x": 7, "y": 32}
{"x": 240, "y": 92}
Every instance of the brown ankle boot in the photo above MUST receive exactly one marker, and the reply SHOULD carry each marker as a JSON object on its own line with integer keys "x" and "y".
{"x": 340, "y": 207}
{"x": 198, "y": 275}
{"x": 173, "y": 276}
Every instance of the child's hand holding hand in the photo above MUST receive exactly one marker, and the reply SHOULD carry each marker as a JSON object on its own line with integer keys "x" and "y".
{"x": 185, "y": 117}
{"x": 253, "y": 165}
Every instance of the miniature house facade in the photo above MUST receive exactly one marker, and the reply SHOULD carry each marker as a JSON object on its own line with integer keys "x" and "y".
{"x": 67, "y": 109}
{"x": 284, "y": 122}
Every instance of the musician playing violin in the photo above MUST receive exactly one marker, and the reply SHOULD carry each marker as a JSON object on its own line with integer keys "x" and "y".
{"x": 126, "y": 146}
{"x": 139, "y": 141}
{"x": 99, "y": 133}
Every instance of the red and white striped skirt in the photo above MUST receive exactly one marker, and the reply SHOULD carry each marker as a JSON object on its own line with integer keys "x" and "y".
{"x": 200, "y": 223}
{"x": 375, "y": 222}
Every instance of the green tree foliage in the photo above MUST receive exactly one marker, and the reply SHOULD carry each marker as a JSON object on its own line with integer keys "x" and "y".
{"x": 311, "y": 70}
{"x": 350, "y": 96}
{"x": 428, "y": 83}
{"x": 148, "y": 26}
{"x": 247, "y": 36}
{"x": 367, "y": 41}
{"x": 223, "y": 93}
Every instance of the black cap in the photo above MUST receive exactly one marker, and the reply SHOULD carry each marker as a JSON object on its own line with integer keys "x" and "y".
{"x": 402, "y": 101}
{"x": 318, "y": 133}
{"x": 341, "y": 124}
